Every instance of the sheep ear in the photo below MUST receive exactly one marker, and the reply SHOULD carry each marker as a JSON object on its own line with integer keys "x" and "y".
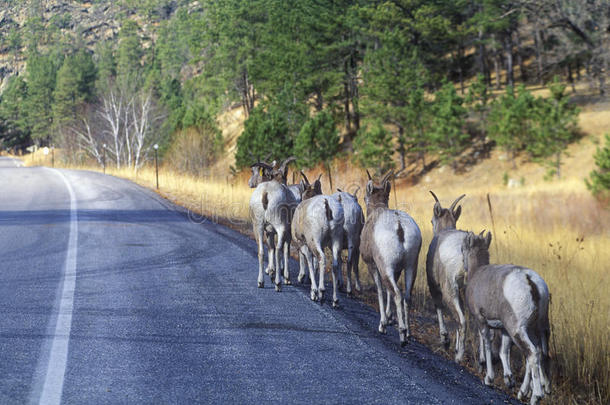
{"x": 339, "y": 190}
{"x": 369, "y": 187}
{"x": 355, "y": 193}
{"x": 438, "y": 210}
{"x": 369, "y": 175}
{"x": 457, "y": 212}
{"x": 317, "y": 185}
{"x": 488, "y": 239}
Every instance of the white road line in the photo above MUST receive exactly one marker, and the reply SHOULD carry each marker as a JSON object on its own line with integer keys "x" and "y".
{"x": 58, "y": 357}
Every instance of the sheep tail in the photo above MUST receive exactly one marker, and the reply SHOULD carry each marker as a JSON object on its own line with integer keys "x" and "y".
{"x": 265, "y": 200}
{"x": 329, "y": 213}
{"x": 400, "y": 233}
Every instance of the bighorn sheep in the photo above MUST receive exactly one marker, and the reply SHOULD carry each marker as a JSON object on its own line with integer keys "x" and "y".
{"x": 271, "y": 208}
{"x": 318, "y": 223}
{"x": 390, "y": 242}
{"x": 352, "y": 228}
{"x": 445, "y": 270}
{"x": 262, "y": 171}
{"x": 515, "y": 300}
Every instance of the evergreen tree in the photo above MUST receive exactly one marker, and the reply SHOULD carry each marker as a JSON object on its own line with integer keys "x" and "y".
{"x": 66, "y": 94}
{"x": 555, "y": 122}
{"x": 318, "y": 141}
{"x": 374, "y": 149}
{"x": 40, "y": 73}
{"x": 130, "y": 54}
{"x": 265, "y": 134}
{"x": 105, "y": 64}
{"x": 14, "y": 132}
{"x": 447, "y": 134}
{"x": 599, "y": 179}
{"x": 511, "y": 121}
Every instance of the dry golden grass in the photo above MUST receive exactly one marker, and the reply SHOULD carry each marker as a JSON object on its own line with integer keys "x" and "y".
{"x": 556, "y": 228}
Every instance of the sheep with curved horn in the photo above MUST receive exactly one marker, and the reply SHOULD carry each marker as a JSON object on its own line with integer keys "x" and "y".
{"x": 445, "y": 271}
{"x": 352, "y": 229}
{"x": 318, "y": 224}
{"x": 515, "y": 300}
{"x": 390, "y": 244}
{"x": 271, "y": 208}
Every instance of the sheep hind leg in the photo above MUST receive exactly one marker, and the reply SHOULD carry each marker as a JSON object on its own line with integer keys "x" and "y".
{"x": 258, "y": 232}
{"x": 321, "y": 256}
{"x": 383, "y": 320}
{"x": 278, "y": 251}
{"x": 460, "y": 333}
{"x": 286, "y": 257}
{"x": 354, "y": 263}
{"x": 444, "y": 336}
{"x": 348, "y": 270}
{"x": 312, "y": 276}
{"x": 398, "y": 300}
{"x": 302, "y": 264}
{"x": 505, "y": 358}
{"x": 532, "y": 366}
{"x": 337, "y": 268}
{"x": 484, "y": 333}
{"x": 388, "y": 307}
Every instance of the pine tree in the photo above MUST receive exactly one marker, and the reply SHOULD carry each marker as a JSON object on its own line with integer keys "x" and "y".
{"x": 374, "y": 149}
{"x": 555, "y": 123}
{"x": 511, "y": 121}
{"x": 447, "y": 134}
{"x": 14, "y": 132}
{"x": 599, "y": 179}
{"x": 40, "y": 73}
{"x": 318, "y": 141}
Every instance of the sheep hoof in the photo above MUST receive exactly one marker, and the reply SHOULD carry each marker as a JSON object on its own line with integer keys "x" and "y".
{"x": 535, "y": 399}
{"x": 350, "y": 294}
{"x": 382, "y": 328}
{"x": 314, "y": 295}
{"x": 335, "y": 303}
{"x": 489, "y": 381}
{"x": 520, "y": 395}
{"x": 358, "y": 287}
{"x": 278, "y": 287}
{"x": 287, "y": 281}
{"x": 301, "y": 278}
{"x": 261, "y": 284}
{"x": 509, "y": 381}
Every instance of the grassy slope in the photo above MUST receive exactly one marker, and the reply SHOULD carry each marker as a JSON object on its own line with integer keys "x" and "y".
{"x": 555, "y": 227}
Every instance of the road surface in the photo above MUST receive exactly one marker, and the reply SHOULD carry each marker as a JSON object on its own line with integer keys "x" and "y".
{"x": 110, "y": 294}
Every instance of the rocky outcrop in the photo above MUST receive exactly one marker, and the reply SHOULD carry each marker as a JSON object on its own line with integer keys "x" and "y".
{"x": 92, "y": 21}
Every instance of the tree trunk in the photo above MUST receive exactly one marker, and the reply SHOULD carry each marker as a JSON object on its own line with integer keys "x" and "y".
{"x": 346, "y": 90}
{"x": 508, "y": 50}
{"x": 497, "y": 68}
{"x": 354, "y": 93}
{"x": 520, "y": 59}
{"x": 330, "y": 178}
{"x": 538, "y": 45}
{"x": 401, "y": 147}
{"x": 482, "y": 58}
{"x": 558, "y": 164}
{"x": 570, "y": 77}
{"x": 319, "y": 100}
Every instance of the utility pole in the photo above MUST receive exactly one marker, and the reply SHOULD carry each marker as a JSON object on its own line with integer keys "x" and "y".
{"x": 156, "y": 147}
{"x": 52, "y": 155}
{"x": 104, "y": 157}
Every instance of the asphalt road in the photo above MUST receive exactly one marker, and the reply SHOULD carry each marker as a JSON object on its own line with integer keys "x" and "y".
{"x": 110, "y": 294}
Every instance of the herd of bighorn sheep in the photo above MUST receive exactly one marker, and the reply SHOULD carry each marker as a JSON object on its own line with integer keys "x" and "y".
{"x": 511, "y": 299}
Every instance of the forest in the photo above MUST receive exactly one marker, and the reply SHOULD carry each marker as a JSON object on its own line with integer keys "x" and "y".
{"x": 389, "y": 82}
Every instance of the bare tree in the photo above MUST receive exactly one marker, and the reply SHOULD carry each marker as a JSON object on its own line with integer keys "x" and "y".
{"x": 110, "y": 111}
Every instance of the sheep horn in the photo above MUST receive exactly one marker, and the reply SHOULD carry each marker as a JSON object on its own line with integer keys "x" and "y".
{"x": 455, "y": 202}
{"x": 319, "y": 177}
{"x": 387, "y": 176}
{"x": 435, "y": 197}
{"x": 286, "y": 162}
{"x": 305, "y": 177}
{"x": 368, "y": 174}
{"x": 356, "y": 192}
{"x": 263, "y": 165}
